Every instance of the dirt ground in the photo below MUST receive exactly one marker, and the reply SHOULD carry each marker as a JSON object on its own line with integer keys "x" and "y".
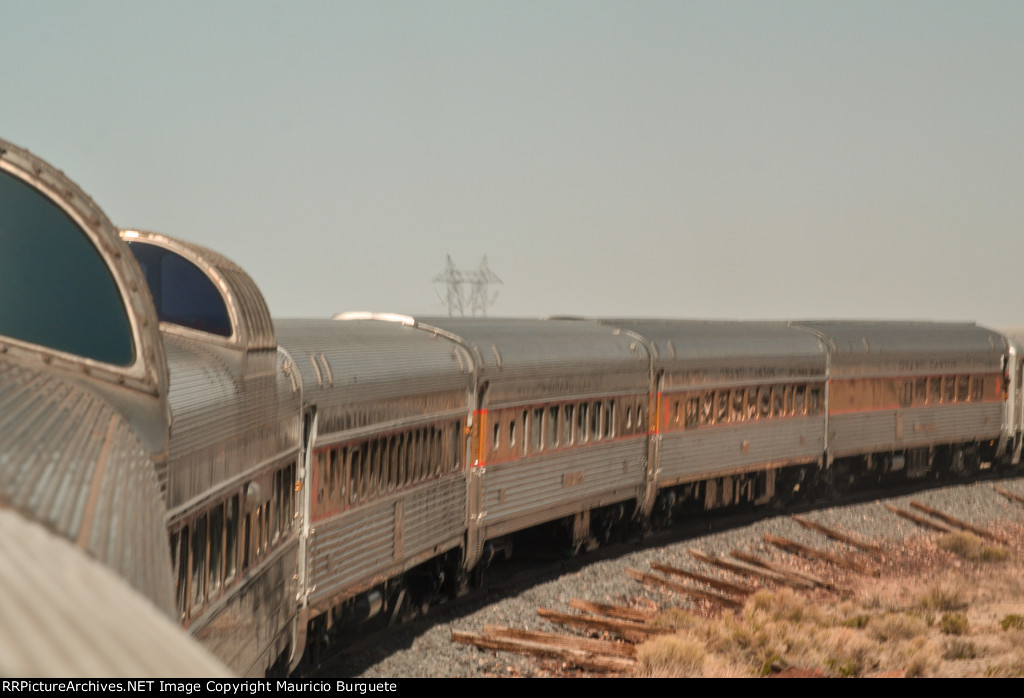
{"x": 941, "y": 605}
{"x": 972, "y": 603}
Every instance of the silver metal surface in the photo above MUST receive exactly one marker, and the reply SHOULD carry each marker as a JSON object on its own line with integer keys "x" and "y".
{"x": 357, "y": 549}
{"x": 527, "y": 360}
{"x": 64, "y": 614}
{"x": 868, "y": 348}
{"x": 690, "y": 456}
{"x": 70, "y": 462}
{"x": 236, "y": 426}
{"x": 365, "y": 374}
{"x": 226, "y": 426}
{"x": 542, "y": 488}
{"x": 892, "y": 430}
{"x": 368, "y": 379}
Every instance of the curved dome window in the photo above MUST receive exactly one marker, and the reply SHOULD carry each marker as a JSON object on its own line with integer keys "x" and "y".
{"x": 55, "y": 288}
{"x": 183, "y": 294}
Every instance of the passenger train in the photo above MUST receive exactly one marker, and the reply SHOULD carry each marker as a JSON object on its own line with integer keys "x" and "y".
{"x": 265, "y": 482}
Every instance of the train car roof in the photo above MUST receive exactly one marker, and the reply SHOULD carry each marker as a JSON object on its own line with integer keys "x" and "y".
{"x": 511, "y": 348}
{"x": 851, "y": 337}
{"x": 683, "y": 342}
{"x": 70, "y": 461}
{"x": 64, "y": 614}
{"x": 371, "y": 359}
{"x": 909, "y": 348}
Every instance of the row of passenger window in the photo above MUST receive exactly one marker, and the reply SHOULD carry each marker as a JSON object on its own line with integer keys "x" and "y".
{"x": 214, "y": 547}
{"x": 522, "y": 431}
{"x": 357, "y": 472}
{"x": 880, "y": 393}
{"x": 937, "y": 390}
{"x": 737, "y": 405}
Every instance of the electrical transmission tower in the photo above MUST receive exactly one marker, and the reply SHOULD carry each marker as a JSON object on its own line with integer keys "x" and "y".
{"x": 479, "y": 280}
{"x": 462, "y": 288}
{"x": 452, "y": 279}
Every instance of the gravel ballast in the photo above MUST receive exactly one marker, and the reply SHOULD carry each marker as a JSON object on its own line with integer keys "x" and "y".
{"x": 424, "y": 648}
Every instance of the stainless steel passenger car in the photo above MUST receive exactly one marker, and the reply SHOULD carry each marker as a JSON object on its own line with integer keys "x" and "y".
{"x": 233, "y": 454}
{"x": 386, "y": 410}
{"x": 560, "y": 426}
{"x": 914, "y": 395}
{"x": 734, "y": 404}
{"x": 83, "y": 430}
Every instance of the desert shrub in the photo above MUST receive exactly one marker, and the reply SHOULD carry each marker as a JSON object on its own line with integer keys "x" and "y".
{"x": 848, "y": 653}
{"x": 920, "y": 658}
{"x": 994, "y": 553}
{"x": 671, "y": 656}
{"x": 896, "y": 626}
{"x": 953, "y": 624}
{"x": 947, "y": 596}
{"x": 782, "y": 605}
{"x": 955, "y": 648}
{"x": 676, "y": 618}
{"x": 970, "y": 547}
{"x": 857, "y": 621}
{"x": 1013, "y": 621}
{"x": 1005, "y": 670}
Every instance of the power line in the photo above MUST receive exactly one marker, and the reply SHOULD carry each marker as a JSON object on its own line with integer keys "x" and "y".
{"x": 469, "y": 287}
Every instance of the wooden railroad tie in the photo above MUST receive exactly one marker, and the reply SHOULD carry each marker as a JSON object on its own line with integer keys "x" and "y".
{"x": 959, "y": 523}
{"x": 685, "y": 590}
{"x": 620, "y": 612}
{"x": 1012, "y": 496}
{"x": 713, "y": 582}
{"x": 816, "y": 554}
{"x": 749, "y": 570}
{"x": 626, "y": 629}
{"x": 583, "y": 652}
{"x": 841, "y": 537}
{"x": 548, "y": 649}
{"x": 920, "y": 520}
{"x": 609, "y": 648}
{"x": 800, "y": 579}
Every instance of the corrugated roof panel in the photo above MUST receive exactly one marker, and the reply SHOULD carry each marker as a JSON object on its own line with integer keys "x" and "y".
{"x": 526, "y": 348}
{"x": 685, "y": 342}
{"x": 909, "y": 348}
{"x": 358, "y": 360}
{"x": 64, "y": 614}
{"x": 72, "y": 463}
{"x": 895, "y": 337}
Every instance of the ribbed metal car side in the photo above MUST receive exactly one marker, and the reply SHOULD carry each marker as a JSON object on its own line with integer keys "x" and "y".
{"x": 733, "y": 397}
{"x": 896, "y": 386}
{"x": 231, "y": 435}
{"x": 226, "y": 426}
{"x": 387, "y": 454}
{"x": 560, "y": 425}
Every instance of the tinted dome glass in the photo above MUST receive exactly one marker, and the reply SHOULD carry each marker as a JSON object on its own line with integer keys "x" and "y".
{"x": 55, "y": 288}
{"x": 181, "y": 291}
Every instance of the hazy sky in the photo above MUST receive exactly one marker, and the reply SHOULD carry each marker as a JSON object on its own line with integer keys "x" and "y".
{"x": 684, "y": 159}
